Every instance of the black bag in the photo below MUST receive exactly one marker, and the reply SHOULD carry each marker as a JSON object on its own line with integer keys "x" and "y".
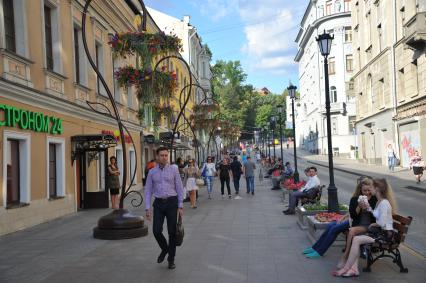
{"x": 180, "y": 232}
{"x": 312, "y": 193}
{"x": 380, "y": 235}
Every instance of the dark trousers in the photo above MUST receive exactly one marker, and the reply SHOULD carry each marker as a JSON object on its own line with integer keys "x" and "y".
{"x": 166, "y": 208}
{"x": 222, "y": 185}
{"x": 237, "y": 183}
{"x": 329, "y": 236}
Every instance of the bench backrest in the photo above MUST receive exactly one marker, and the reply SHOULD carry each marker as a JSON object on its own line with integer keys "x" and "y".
{"x": 400, "y": 225}
{"x": 318, "y": 198}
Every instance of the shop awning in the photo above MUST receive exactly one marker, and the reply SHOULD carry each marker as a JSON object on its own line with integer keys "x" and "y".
{"x": 98, "y": 142}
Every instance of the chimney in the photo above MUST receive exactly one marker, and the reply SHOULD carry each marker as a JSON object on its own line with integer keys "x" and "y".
{"x": 186, "y": 19}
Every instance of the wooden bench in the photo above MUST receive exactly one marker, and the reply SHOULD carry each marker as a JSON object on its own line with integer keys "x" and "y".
{"x": 315, "y": 199}
{"x": 379, "y": 250}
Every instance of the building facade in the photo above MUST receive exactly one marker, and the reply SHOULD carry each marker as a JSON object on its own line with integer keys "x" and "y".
{"x": 389, "y": 81}
{"x": 334, "y": 17}
{"x": 48, "y": 167}
{"x": 198, "y": 57}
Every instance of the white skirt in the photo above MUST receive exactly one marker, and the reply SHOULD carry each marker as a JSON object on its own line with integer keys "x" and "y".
{"x": 191, "y": 185}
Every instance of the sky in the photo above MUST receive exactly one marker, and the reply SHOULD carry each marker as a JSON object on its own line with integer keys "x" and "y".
{"x": 258, "y": 33}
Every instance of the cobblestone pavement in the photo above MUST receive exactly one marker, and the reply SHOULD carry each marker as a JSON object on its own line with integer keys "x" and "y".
{"x": 244, "y": 240}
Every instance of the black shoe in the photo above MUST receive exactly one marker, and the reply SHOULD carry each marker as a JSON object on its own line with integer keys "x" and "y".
{"x": 161, "y": 257}
{"x": 252, "y": 193}
{"x": 289, "y": 212}
{"x": 172, "y": 265}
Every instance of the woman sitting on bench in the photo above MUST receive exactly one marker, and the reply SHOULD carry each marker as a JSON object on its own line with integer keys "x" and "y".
{"x": 360, "y": 221}
{"x": 381, "y": 230}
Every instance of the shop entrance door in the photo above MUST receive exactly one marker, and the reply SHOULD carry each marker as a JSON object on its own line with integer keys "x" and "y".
{"x": 93, "y": 172}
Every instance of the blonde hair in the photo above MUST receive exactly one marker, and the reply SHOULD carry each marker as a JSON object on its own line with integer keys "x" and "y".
{"x": 363, "y": 181}
{"x": 386, "y": 192}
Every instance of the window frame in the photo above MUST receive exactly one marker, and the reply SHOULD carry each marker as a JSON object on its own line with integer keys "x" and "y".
{"x": 60, "y": 167}
{"x": 11, "y": 19}
{"x": 24, "y": 165}
{"x": 55, "y": 35}
{"x": 48, "y": 38}
{"x": 349, "y": 58}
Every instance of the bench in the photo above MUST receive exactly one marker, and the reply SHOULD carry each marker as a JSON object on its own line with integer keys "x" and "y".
{"x": 313, "y": 199}
{"x": 379, "y": 250}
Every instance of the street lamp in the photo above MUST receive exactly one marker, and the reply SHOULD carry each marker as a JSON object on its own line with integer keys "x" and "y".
{"x": 273, "y": 123}
{"x": 292, "y": 94}
{"x": 267, "y": 140}
{"x": 280, "y": 109}
{"x": 324, "y": 43}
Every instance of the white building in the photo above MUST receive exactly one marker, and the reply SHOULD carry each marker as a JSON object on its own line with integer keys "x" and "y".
{"x": 334, "y": 17}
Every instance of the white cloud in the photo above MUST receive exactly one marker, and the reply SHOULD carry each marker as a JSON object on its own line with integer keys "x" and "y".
{"x": 217, "y": 9}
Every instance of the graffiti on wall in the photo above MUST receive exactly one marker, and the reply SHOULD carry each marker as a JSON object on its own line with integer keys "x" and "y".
{"x": 410, "y": 142}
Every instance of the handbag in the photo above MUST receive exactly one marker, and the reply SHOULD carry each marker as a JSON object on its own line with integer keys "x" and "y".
{"x": 180, "y": 232}
{"x": 199, "y": 182}
{"x": 203, "y": 174}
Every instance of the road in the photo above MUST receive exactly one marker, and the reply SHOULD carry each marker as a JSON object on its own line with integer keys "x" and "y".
{"x": 410, "y": 203}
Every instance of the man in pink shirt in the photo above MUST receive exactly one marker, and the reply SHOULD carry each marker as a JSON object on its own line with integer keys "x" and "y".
{"x": 164, "y": 183}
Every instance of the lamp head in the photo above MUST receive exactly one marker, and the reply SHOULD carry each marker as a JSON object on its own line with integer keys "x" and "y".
{"x": 292, "y": 91}
{"x": 324, "y": 43}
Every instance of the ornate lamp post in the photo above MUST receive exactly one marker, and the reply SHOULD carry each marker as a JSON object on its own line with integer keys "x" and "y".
{"x": 324, "y": 43}
{"x": 292, "y": 94}
{"x": 280, "y": 109}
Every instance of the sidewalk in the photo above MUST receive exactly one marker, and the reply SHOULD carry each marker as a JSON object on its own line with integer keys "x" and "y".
{"x": 246, "y": 240}
{"x": 355, "y": 167}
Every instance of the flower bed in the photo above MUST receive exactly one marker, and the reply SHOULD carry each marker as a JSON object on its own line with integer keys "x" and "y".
{"x": 328, "y": 216}
{"x": 290, "y": 185}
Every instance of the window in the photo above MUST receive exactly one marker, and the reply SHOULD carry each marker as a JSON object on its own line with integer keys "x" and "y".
{"x": 48, "y": 37}
{"x": 352, "y": 129}
{"x": 401, "y": 82}
{"x": 334, "y": 129}
{"x": 99, "y": 57}
{"x": 9, "y": 25}
{"x": 320, "y": 11}
{"x": 347, "y": 5}
{"x": 147, "y": 115}
{"x": 76, "y": 56}
{"x": 331, "y": 66}
{"x": 16, "y": 169}
{"x": 337, "y": 6}
{"x": 333, "y": 94}
{"x": 415, "y": 76}
{"x": 371, "y": 93}
{"x": 348, "y": 34}
{"x": 349, "y": 63}
{"x": 132, "y": 164}
{"x": 328, "y": 8}
{"x": 382, "y": 91}
{"x": 55, "y": 167}
{"x": 115, "y": 67}
{"x": 13, "y": 173}
{"x": 101, "y": 170}
{"x": 52, "y": 171}
{"x": 380, "y": 39}
{"x": 204, "y": 70}
{"x": 129, "y": 97}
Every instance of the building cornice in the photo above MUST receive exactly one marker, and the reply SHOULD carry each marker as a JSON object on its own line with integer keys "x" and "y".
{"x": 373, "y": 115}
{"x": 371, "y": 62}
{"x": 30, "y": 96}
{"x": 314, "y": 26}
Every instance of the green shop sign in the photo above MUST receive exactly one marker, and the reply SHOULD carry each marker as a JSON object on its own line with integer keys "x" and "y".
{"x": 28, "y": 120}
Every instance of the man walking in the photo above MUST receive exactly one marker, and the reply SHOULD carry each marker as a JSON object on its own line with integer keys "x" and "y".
{"x": 249, "y": 167}
{"x": 237, "y": 170}
{"x": 165, "y": 184}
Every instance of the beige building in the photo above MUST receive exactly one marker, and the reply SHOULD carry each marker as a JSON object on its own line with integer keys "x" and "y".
{"x": 389, "y": 82}
{"x": 45, "y": 82}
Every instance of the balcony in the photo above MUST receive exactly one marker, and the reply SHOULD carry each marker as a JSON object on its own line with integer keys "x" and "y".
{"x": 415, "y": 31}
{"x": 335, "y": 108}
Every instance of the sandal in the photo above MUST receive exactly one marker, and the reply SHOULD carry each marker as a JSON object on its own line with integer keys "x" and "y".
{"x": 339, "y": 273}
{"x": 350, "y": 273}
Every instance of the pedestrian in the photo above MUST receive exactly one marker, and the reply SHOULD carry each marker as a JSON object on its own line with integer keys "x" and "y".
{"x": 113, "y": 181}
{"x": 417, "y": 163}
{"x": 237, "y": 171}
{"x": 191, "y": 173}
{"x": 312, "y": 184}
{"x": 249, "y": 168}
{"x": 287, "y": 143}
{"x": 391, "y": 158}
{"x": 225, "y": 174}
{"x": 164, "y": 183}
{"x": 209, "y": 171}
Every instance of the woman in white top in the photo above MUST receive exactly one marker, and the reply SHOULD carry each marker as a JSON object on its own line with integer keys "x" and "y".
{"x": 209, "y": 171}
{"x": 391, "y": 158}
{"x": 191, "y": 173}
{"x": 383, "y": 211}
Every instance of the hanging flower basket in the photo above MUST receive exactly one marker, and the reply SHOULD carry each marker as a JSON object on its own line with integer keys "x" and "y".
{"x": 206, "y": 108}
{"x": 164, "y": 110}
{"x": 147, "y": 45}
{"x": 164, "y": 83}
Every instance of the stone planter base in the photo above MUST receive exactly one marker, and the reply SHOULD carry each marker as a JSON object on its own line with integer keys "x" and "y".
{"x": 316, "y": 228}
{"x": 302, "y": 214}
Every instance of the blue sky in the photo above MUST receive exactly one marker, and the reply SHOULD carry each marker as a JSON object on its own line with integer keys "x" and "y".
{"x": 259, "y": 33}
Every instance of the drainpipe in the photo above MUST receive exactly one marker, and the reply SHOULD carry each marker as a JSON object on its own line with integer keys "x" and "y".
{"x": 393, "y": 66}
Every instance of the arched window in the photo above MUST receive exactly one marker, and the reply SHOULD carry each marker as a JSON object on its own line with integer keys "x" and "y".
{"x": 333, "y": 94}
{"x": 370, "y": 93}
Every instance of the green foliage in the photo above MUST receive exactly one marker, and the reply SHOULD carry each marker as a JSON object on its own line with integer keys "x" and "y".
{"x": 323, "y": 206}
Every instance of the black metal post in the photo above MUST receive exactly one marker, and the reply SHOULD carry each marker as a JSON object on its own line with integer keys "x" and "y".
{"x": 269, "y": 146}
{"x": 296, "y": 173}
{"x": 273, "y": 139}
{"x": 332, "y": 190}
{"x": 281, "y": 138}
